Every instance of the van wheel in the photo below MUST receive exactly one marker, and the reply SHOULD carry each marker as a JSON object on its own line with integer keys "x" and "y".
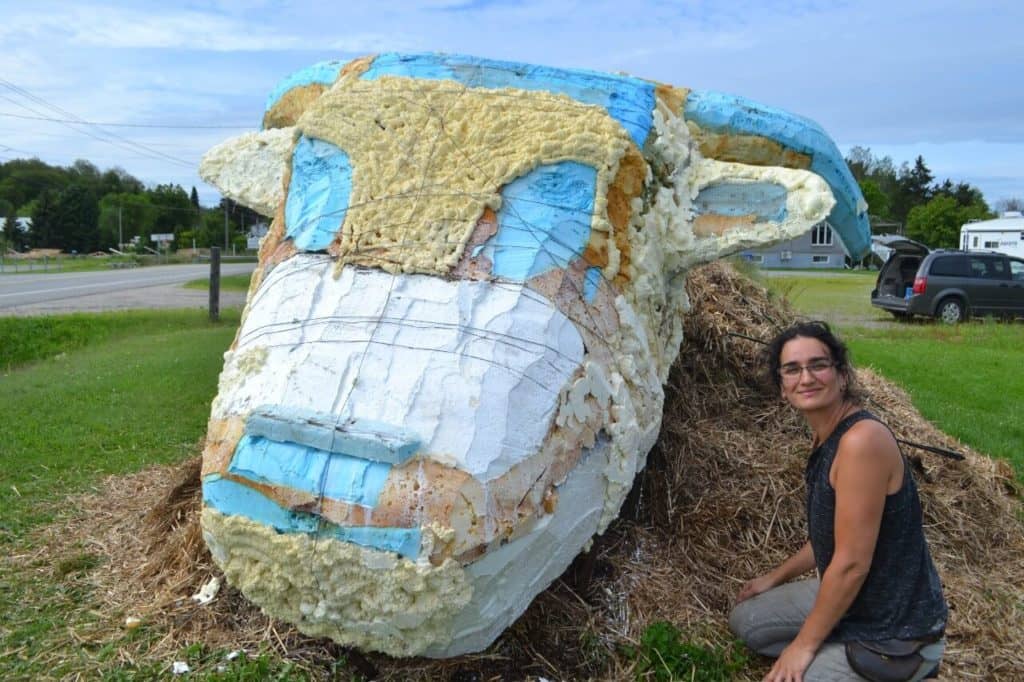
{"x": 951, "y": 311}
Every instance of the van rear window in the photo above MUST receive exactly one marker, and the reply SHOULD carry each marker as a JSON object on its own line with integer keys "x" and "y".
{"x": 949, "y": 266}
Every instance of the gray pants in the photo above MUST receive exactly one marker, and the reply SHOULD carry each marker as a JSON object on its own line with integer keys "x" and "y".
{"x": 768, "y": 622}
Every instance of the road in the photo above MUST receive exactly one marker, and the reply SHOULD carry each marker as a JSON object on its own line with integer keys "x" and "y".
{"x": 159, "y": 286}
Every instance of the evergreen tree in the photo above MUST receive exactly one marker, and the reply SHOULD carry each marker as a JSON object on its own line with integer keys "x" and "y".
{"x": 77, "y": 213}
{"x": 43, "y": 231}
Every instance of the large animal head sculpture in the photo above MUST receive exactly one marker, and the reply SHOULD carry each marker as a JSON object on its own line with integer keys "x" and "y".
{"x": 449, "y": 369}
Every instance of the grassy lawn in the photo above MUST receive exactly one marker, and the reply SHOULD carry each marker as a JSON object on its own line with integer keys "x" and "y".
{"x": 115, "y": 392}
{"x": 965, "y": 378}
{"x": 227, "y": 283}
{"x": 63, "y": 263}
{"x": 839, "y": 296}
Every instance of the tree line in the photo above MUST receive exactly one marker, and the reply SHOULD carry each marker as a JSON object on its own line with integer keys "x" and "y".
{"x": 908, "y": 199}
{"x": 81, "y": 209}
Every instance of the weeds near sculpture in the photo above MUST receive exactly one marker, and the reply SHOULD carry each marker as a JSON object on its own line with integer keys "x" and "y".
{"x": 721, "y": 499}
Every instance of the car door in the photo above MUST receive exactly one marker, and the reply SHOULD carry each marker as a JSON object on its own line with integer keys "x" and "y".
{"x": 1015, "y": 287}
{"x": 988, "y": 276}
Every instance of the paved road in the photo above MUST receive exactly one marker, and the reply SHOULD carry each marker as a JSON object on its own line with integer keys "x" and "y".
{"x": 159, "y": 286}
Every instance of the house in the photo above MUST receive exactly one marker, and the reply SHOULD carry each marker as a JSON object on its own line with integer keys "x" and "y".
{"x": 817, "y": 248}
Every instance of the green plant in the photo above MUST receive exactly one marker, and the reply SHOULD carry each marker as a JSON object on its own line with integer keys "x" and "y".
{"x": 663, "y": 655}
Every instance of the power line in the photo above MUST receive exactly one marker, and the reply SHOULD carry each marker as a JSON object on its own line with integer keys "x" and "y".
{"x": 111, "y": 138}
{"x": 126, "y": 125}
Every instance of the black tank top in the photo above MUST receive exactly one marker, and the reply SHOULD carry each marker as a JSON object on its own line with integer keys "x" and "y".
{"x": 901, "y": 598}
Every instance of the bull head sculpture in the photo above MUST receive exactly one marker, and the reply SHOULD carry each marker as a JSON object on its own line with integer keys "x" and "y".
{"x": 449, "y": 369}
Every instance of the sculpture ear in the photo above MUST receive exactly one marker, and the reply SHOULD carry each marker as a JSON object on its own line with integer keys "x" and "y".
{"x": 250, "y": 168}
{"x": 738, "y": 206}
{"x": 739, "y": 131}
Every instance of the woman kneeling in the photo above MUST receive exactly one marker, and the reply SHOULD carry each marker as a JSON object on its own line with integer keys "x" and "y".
{"x": 876, "y": 609}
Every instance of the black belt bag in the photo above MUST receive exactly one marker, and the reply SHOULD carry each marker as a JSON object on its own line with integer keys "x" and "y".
{"x": 887, "y": 660}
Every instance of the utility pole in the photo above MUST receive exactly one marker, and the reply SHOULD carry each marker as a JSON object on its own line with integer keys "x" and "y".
{"x": 120, "y": 236}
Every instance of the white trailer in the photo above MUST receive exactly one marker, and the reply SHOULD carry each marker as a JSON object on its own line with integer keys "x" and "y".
{"x": 1004, "y": 234}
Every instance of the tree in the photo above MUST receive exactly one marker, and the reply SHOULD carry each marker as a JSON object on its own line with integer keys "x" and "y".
{"x": 878, "y": 202}
{"x": 174, "y": 210}
{"x": 937, "y": 223}
{"x": 195, "y": 198}
{"x": 12, "y": 238}
{"x": 77, "y": 213}
{"x": 44, "y": 219}
{"x": 1011, "y": 204}
{"x": 912, "y": 188}
{"x": 125, "y": 215}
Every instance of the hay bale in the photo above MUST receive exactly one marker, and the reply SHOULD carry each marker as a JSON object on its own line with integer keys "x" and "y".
{"x": 721, "y": 500}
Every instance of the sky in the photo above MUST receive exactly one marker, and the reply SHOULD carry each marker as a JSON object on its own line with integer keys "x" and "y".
{"x": 158, "y": 83}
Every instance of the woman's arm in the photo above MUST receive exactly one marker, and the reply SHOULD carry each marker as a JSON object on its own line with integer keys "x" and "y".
{"x": 861, "y": 474}
{"x": 794, "y": 566}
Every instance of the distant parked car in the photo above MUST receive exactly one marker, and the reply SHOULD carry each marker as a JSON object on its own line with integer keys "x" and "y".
{"x": 946, "y": 284}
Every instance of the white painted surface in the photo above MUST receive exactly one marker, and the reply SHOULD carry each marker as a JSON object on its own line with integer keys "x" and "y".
{"x": 473, "y": 368}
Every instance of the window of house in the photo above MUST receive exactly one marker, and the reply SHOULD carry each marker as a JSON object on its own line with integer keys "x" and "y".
{"x": 821, "y": 235}
{"x": 991, "y": 245}
{"x": 975, "y": 243}
{"x": 756, "y": 258}
{"x": 819, "y": 259}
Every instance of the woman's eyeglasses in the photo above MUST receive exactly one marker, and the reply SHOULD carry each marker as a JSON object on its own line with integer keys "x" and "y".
{"x": 818, "y": 366}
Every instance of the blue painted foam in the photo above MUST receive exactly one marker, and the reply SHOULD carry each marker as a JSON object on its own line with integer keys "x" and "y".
{"x": 591, "y": 282}
{"x": 628, "y": 100}
{"x": 233, "y": 498}
{"x": 318, "y": 194}
{"x": 360, "y": 438}
{"x": 723, "y": 113}
{"x": 544, "y": 220}
{"x": 766, "y": 200}
{"x": 311, "y": 470}
{"x": 324, "y": 73}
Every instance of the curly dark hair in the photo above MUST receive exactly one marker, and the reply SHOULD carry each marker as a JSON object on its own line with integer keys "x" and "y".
{"x": 819, "y": 330}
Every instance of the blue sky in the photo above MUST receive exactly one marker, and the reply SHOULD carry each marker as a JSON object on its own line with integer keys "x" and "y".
{"x": 940, "y": 78}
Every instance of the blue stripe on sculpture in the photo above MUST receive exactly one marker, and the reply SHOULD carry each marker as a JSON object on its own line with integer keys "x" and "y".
{"x": 723, "y": 113}
{"x": 311, "y": 470}
{"x": 591, "y": 283}
{"x": 361, "y": 438}
{"x": 628, "y": 100}
{"x": 235, "y": 499}
{"x": 544, "y": 221}
{"x": 323, "y": 73}
{"x": 318, "y": 194}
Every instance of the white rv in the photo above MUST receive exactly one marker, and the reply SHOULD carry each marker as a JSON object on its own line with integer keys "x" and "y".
{"x": 1004, "y": 234}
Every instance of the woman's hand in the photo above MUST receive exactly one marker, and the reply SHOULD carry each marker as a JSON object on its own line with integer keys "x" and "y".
{"x": 754, "y": 587}
{"x": 791, "y": 664}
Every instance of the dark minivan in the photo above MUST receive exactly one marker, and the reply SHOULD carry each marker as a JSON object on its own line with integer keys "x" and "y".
{"x": 946, "y": 284}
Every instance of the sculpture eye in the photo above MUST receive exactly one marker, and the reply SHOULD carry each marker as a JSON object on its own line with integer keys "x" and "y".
{"x": 318, "y": 194}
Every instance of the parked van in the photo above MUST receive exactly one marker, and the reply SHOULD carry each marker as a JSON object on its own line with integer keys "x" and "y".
{"x": 947, "y": 284}
{"x": 1004, "y": 234}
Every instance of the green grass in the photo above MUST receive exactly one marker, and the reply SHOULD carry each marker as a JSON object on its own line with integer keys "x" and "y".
{"x": 118, "y": 392}
{"x": 836, "y": 297}
{"x": 227, "y": 283}
{"x": 63, "y": 263}
{"x": 28, "y": 339}
{"x": 965, "y": 379}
